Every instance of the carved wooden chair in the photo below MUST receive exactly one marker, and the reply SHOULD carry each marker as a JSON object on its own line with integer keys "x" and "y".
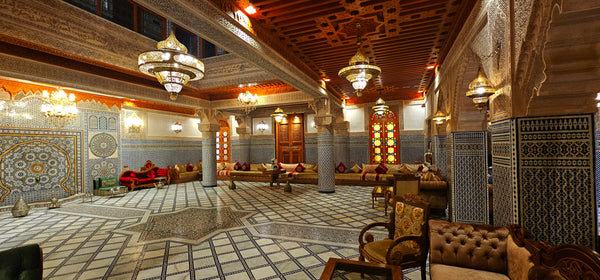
{"x": 407, "y": 243}
{"x": 566, "y": 261}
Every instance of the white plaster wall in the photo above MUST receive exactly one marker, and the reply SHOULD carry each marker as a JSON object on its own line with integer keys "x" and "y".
{"x": 310, "y": 123}
{"x": 159, "y": 125}
{"x": 414, "y": 116}
{"x": 356, "y": 117}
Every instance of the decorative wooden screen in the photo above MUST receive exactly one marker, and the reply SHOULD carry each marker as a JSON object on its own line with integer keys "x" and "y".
{"x": 223, "y": 142}
{"x": 289, "y": 139}
{"x": 384, "y": 137}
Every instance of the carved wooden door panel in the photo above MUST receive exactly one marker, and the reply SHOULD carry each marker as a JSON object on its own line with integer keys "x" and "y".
{"x": 289, "y": 139}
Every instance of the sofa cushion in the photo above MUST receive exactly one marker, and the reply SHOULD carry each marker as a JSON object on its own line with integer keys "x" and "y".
{"x": 341, "y": 168}
{"x": 450, "y": 272}
{"x": 189, "y": 167}
{"x": 237, "y": 166}
{"x": 381, "y": 168}
{"x": 310, "y": 167}
{"x": 299, "y": 168}
{"x": 356, "y": 169}
{"x": 162, "y": 172}
{"x": 518, "y": 260}
{"x": 245, "y": 167}
{"x": 377, "y": 250}
{"x": 108, "y": 181}
{"x": 393, "y": 168}
{"x": 288, "y": 167}
{"x": 369, "y": 168}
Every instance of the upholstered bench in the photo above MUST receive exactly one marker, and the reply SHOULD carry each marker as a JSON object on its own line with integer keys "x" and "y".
{"x": 24, "y": 262}
{"x": 108, "y": 186}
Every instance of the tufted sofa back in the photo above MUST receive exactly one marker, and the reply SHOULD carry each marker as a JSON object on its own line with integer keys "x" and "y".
{"x": 481, "y": 247}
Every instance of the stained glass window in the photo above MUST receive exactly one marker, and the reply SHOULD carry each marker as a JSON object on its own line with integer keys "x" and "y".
{"x": 384, "y": 137}
{"x": 223, "y": 142}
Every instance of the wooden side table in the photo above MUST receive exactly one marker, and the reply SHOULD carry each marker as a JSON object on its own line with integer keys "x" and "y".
{"x": 274, "y": 176}
{"x": 351, "y": 269}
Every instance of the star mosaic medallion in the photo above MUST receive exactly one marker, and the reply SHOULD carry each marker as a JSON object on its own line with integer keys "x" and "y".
{"x": 190, "y": 225}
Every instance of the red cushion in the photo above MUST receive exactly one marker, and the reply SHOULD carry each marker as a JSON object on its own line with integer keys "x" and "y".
{"x": 279, "y": 165}
{"x": 237, "y": 166}
{"x": 162, "y": 172}
{"x": 381, "y": 168}
{"x": 341, "y": 168}
{"x": 245, "y": 167}
{"x": 299, "y": 168}
{"x": 145, "y": 180}
{"x": 189, "y": 167}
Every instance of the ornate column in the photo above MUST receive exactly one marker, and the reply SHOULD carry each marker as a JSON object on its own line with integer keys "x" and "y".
{"x": 324, "y": 121}
{"x": 245, "y": 134}
{"x": 209, "y": 125}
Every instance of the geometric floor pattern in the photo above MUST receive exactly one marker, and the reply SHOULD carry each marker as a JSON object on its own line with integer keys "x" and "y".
{"x": 281, "y": 235}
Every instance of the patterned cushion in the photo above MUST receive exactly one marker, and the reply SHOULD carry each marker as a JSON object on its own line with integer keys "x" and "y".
{"x": 341, "y": 168}
{"x": 237, "y": 166}
{"x": 369, "y": 168}
{"x": 299, "y": 167}
{"x": 381, "y": 169}
{"x": 245, "y": 167}
{"x": 108, "y": 182}
{"x": 229, "y": 166}
{"x": 261, "y": 167}
{"x": 288, "y": 167}
{"x": 356, "y": 169}
{"x": 408, "y": 220}
{"x": 189, "y": 167}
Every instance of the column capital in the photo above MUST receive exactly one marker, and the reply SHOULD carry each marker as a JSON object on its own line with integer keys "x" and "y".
{"x": 324, "y": 123}
{"x": 341, "y": 128}
{"x": 208, "y": 127}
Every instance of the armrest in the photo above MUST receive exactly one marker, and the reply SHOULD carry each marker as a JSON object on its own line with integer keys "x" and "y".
{"x": 369, "y": 237}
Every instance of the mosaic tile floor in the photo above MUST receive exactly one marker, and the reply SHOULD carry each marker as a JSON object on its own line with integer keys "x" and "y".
{"x": 256, "y": 232}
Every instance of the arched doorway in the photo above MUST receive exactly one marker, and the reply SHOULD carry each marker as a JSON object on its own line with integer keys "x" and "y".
{"x": 383, "y": 128}
{"x": 223, "y": 142}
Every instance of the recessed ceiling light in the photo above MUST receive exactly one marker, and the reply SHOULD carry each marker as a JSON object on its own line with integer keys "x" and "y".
{"x": 132, "y": 99}
{"x": 250, "y": 10}
{"x": 430, "y": 67}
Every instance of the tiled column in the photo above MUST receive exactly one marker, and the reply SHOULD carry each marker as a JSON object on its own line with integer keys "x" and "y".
{"x": 340, "y": 140}
{"x": 325, "y": 151}
{"x": 209, "y": 153}
{"x": 468, "y": 177}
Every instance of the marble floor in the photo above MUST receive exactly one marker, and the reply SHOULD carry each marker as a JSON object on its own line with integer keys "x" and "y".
{"x": 186, "y": 231}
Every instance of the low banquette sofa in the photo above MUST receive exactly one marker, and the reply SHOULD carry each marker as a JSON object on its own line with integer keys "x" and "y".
{"x": 146, "y": 177}
{"x": 181, "y": 173}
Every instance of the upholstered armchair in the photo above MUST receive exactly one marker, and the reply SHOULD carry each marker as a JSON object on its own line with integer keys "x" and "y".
{"x": 407, "y": 242}
{"x": 24, "y": 262}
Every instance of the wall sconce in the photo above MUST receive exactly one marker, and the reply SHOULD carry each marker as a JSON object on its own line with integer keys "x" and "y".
{"x": 278, "y": 115}
{"x": 439, "y": 117}
{"x": 134, "y": 124}
{"x": 262, "y": 126}
{"x": 177, "y": 127}
{"x": 480, "y": 90}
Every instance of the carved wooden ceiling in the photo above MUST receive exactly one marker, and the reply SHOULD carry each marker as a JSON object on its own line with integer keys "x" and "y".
{"x": 403, "y": 37}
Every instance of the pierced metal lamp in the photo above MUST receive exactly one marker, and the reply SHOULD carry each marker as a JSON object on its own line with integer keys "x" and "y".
{"x": 278, "y": 115}
{"x": 480, "y": 90}
{"x": 439, "y": 117}
{"x": 172, "y": 66}
{"x": 359, "y": 72}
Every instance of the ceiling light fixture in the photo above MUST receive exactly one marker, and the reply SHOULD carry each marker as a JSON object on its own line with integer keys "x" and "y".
{"x": 59, "y": 108}
{"x": 480, "y": 89}
{"x": 247, "y": 101}
{"x": 172, "y": 66}
{"x": 250, "y": 10}
{"x": 278, "y": 115}
{"x": 359, "y": 72}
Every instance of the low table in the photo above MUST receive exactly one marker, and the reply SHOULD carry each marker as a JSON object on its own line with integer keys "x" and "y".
{"x": 160, "y": 184}
{"x": 274, "y": 176}
{"x": 351, "y": 269}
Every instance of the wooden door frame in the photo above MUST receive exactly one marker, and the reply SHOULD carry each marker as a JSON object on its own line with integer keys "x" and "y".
{"x": 277, "y": 149}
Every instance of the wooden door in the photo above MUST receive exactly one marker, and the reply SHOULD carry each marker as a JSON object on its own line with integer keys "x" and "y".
{"x": 289, "y": 139}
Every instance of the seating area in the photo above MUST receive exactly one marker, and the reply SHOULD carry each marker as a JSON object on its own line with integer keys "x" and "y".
{"x": 470, "y": 251}
{"x": 181, "y": 173}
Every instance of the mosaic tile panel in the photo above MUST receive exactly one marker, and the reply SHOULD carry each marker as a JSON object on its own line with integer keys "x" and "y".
{"x": 39, "y": 164}
{"x": 412, "y": 148}
{"x": 311, "y": 153}
{"x": 469, "y": 177}
{"x": 103, "y": 168}
{"x": 340, "y": 150}
{"x": 450, "y": 176}
{"x": 439, "y": 151}
{"x": 504, "y": 170}
{"x": 326, "y": 165}
{"x": 597, "y": 166}
{"x": 263, "y": 149}
{"x": 209, "y": 160}
{"x": 102, "y": 145}
{"x": 556, "y": 178}
{"x": 358, "y": 149}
